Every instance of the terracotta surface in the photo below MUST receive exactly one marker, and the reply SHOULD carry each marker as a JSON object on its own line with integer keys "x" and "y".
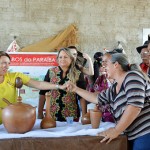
{"x": 95, "y": 117}
{"x": 47, "y": 121}
{"x": 18, "y": 83}
{"x": 18, "y": 117}
{"x": 86, "y": 118}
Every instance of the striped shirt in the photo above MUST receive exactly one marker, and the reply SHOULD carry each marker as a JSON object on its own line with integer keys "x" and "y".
{"x": 135, "y": 90}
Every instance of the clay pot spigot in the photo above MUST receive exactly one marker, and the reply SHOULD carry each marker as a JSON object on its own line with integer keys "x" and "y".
{"x": 18, "y": 117}
{"x": 47, "y": 121}
{"x": 18, "y": 84}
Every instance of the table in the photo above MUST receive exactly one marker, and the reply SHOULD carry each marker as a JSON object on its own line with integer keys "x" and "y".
{"x": 63, "y": 143}
{"x": 63, "y": 137}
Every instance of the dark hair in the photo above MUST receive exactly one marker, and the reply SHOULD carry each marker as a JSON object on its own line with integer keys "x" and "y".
{"x": 80, "y": 59}
{"x": 2, "y": 53}
{"x": 97, "y": 64}
{"x": 72, "y": 47}
{"x": 97, "y": 55}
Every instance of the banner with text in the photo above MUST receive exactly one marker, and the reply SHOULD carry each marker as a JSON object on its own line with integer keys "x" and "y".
{"x": 33, "y": 59}
{"x": 34, "y": 65}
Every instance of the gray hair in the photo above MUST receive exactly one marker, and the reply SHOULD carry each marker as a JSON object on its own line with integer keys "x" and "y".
{"x": 122, "y": 59}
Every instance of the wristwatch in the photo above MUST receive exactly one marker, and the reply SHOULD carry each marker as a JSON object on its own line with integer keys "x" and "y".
{"x": 57, "y": 86}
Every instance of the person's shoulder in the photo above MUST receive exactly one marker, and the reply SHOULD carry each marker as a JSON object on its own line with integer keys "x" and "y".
{"x": 133, "y": 72}
{"x": 13, "y": 74}
{"x": 135, "y": 75}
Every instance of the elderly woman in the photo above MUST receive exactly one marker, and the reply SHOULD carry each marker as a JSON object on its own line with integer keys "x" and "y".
{"x": 129, "y": 100}
{"x": 7, "y": 82}
{"x": 63, "y": 104}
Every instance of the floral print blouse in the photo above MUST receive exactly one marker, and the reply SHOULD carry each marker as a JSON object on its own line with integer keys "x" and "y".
{"x": 62, "y": 103}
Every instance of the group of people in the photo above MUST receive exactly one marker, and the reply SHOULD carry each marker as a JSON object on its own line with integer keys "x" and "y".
{"x": 127, "y": 92}
{"x": 8, "y": 82}
{"x": 64, "y": 104}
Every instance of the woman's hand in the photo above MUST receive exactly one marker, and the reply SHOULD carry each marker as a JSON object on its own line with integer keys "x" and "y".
{"x": 109, "y": 135}
{"x": 86, "y": 56}
{"x": 88, "y": 70}
{"x": 71, "y": 87}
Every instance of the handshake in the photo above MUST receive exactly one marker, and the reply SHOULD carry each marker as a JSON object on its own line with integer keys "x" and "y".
{"x": 68, "y": 86}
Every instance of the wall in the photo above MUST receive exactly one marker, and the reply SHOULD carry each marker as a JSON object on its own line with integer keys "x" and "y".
{"x": 101, "y": 23}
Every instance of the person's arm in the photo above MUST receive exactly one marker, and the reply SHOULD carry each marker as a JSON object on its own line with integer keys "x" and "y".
{"x": 81, "y": 83}
{"x": 91, "y": 97}
{"x": 89, "y": 70}
{"x": 134, "y": 87}
{"x": 42, "y": 97}
{"x": 130, "y": 114}
{"x": 42, "y": 85}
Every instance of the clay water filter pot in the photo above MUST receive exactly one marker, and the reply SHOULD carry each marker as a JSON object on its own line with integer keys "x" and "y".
{"x": 47, "y": 121}
{"x": 18, "y": 117}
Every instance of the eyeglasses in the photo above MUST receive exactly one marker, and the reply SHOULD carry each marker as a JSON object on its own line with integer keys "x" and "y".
{"x": 145, "y": 55}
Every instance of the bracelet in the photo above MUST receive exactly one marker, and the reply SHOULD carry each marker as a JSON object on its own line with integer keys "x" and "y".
{"x": 57, "y": 86}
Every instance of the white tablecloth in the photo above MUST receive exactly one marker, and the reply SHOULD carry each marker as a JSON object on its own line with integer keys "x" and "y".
{"x": 62, "y": 129}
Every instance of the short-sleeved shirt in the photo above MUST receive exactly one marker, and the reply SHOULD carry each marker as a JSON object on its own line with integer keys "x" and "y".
{"x": 135, "y": 90}
{"x": 62, "y": 103}
{"x": 8, "y": 89}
